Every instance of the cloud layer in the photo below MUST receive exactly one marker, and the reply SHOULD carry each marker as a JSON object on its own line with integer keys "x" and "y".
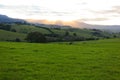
{"x": 89, "y": 11}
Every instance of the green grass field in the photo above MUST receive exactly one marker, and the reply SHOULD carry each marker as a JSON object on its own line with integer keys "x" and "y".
{"x": 90, "y": 60}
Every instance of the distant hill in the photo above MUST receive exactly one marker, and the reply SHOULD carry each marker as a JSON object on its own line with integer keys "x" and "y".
{"x": 11, "y": 28}
{"x": 75, "y": 24}
{"x": 53, "y": 34}
{"x": 6, "y": 19}
{"x": 110, "y": 28}
{"x": 60, "y": 24}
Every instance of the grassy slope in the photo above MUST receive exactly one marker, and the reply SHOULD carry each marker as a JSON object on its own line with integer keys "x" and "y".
{"x": 87, "y": 33}
{"x": 28, "y": 29}
{"x": 79, "y": 32}
{"x": 7, "y": 35}
{"x": 21, "y": 33}
{"x": 93, "y": 60}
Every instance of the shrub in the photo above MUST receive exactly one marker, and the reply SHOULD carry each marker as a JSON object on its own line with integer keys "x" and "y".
{"x": 17, "y": 40}
{"x": 36, "y": 37}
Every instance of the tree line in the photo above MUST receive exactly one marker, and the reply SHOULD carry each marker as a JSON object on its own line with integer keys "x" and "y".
{"x": 38, "y": 37}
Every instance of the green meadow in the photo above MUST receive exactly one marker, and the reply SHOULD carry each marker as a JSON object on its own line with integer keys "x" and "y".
{"x": 87, "y": 60}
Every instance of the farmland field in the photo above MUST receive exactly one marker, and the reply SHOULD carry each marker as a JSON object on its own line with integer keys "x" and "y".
{"x": 89, "y": 60}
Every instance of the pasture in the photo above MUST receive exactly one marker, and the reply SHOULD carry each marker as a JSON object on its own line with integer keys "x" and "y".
{"x": 87, "y": 60}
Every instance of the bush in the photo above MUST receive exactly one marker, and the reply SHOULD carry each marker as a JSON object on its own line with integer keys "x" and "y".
{"x": 13, "y": 30}
{"x": 36, "y": 37}
{"x": 17, "y": 40}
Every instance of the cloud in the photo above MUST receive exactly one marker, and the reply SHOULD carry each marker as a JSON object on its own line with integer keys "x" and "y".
{"x": 94, "y": 19}
{"x": 114, "y": 9}
{"x": 66, "y": 10}
{"x": 34, "y": 10}
{"x": 23, "y": 10}
{"x": 1, "y": 5}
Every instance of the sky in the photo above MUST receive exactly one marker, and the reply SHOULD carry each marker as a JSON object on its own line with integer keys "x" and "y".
{"x": 103, "y": 12}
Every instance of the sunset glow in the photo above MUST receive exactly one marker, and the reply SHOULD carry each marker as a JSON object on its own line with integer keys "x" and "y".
{"x": 88, "y": 11}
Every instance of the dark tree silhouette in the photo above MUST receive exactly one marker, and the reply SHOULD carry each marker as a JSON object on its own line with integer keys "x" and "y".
{"x": 13, "y": 30}
{"x": 67, "y": 33}
{"x": 36, "y": 37}
{"x": 74, "y": 34}
{"x": 17, "y": 40}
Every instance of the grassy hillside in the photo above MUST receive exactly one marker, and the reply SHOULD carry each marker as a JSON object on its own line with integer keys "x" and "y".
{"x": 7, "y": 35}
{"x": 92, "y": 60}
{"x": 53, "y": 34}
{"x": 28, "y": 28}
{"x": 80, "y": 32}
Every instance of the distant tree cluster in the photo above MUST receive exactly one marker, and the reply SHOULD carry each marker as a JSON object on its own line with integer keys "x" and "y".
{"x": 36, "y": 37}
{"x": 5, "y": 27}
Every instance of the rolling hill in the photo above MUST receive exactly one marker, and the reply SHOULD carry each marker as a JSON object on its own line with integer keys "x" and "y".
{"x": 53, "y": 33}
{"x": 20, "y": 28}
{"x": 76, "y": 24}
{"x": 6, "y": 19}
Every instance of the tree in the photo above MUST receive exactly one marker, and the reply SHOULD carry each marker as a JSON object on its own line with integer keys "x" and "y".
{"x": 17, "y": 40}
{"x": 13, "y": 30}
{"x": 67, "y": 33}
{"x": 74, "y": 34}
{"x": 36, "y": 37}
{"x": 114, "y": 36}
